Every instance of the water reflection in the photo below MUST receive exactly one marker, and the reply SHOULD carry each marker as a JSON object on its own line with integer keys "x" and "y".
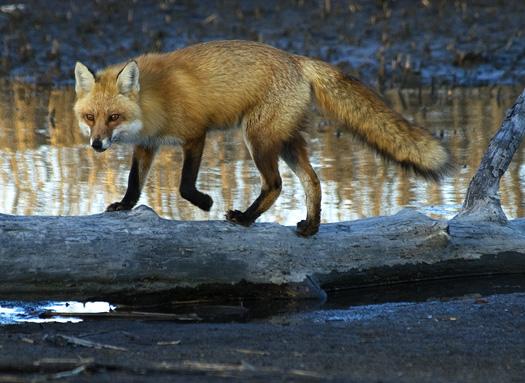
{"x": 46, "y": 166}
{"x": 12, "y": 312}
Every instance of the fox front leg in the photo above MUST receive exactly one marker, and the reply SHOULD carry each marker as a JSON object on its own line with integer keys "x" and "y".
{"x": 190, "y": 170}
{"x": 140, "y": 165}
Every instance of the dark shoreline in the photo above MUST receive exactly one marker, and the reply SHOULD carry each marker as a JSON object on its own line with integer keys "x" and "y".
{"x": 387, "y": 44}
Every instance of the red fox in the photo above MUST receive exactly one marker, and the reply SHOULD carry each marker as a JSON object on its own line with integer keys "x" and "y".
{"x": 176, "y": 97}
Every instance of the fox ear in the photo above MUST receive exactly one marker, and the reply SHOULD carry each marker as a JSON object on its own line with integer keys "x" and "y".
{"x": 128, "y": 78}
{"x": 84, "y": 79}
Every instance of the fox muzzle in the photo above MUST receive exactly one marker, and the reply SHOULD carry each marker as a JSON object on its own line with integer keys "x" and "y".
{"x": 100, "y": 145}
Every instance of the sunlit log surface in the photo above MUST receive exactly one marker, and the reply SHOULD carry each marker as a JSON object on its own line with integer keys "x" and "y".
{"x": 125, "y": 255}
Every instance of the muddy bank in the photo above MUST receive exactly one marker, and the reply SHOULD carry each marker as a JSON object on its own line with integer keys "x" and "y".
{"x": 472, "y": 339}
{"x": 386, "y": 43}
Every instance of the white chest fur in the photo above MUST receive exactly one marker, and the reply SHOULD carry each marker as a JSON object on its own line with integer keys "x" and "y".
{"x": 128, "y": 132}
{"x": 131, "y": 133}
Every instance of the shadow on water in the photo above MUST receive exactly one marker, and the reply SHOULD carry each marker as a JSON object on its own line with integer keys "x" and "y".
{"x": 343, "y": 303}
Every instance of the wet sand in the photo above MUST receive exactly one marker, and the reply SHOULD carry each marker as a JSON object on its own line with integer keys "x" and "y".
{"x": 473, "y": 339}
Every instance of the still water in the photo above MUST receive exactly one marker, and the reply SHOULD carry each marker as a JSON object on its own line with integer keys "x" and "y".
{"x": 48, "y": 168}
{"x": 343, "y": 306}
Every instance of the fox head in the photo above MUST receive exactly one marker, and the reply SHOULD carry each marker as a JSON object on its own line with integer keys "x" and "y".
{"x": 107, "y": 105}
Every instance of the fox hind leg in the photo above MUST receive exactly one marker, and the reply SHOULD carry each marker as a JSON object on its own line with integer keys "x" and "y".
{"x": 190, "y": 169}
{"x": 294, "y": 153}
{"x": 266, "y": 127}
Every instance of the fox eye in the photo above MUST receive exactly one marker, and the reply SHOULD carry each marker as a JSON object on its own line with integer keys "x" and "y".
{"x": 89, "y": 117}
{"x": 114, "y": 117}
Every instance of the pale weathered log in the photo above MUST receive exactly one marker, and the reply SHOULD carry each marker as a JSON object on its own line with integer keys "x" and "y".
{"x": 481, "y": 201}
{"x": 124, "y": 255}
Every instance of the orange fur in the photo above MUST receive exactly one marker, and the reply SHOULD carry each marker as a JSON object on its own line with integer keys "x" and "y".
{"x": 265, "y": 91}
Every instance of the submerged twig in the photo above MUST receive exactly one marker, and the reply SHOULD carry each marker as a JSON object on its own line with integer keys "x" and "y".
{"x": 125, "y": 315}
{"x": 83, "y": 342}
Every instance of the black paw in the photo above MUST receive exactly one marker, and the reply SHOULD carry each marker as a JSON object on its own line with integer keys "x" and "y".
{"x": 201, "y": 200}
{"x": 119, "y": 206}
{"x": 205, "y": 202}
{"x": 238, "y": 217}
{"x": 307, "y": 228}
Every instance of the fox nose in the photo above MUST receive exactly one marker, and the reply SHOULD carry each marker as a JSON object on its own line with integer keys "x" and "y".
{"x": 97, "y": 145}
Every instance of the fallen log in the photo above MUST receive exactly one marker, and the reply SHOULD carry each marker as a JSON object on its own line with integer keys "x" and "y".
{"x": 124, "y": 256}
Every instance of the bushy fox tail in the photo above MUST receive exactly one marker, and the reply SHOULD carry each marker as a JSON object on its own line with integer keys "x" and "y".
{"x": 364, "y": 113}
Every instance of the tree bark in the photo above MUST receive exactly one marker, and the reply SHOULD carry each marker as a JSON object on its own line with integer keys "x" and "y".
{"x": 482, "y": 202}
